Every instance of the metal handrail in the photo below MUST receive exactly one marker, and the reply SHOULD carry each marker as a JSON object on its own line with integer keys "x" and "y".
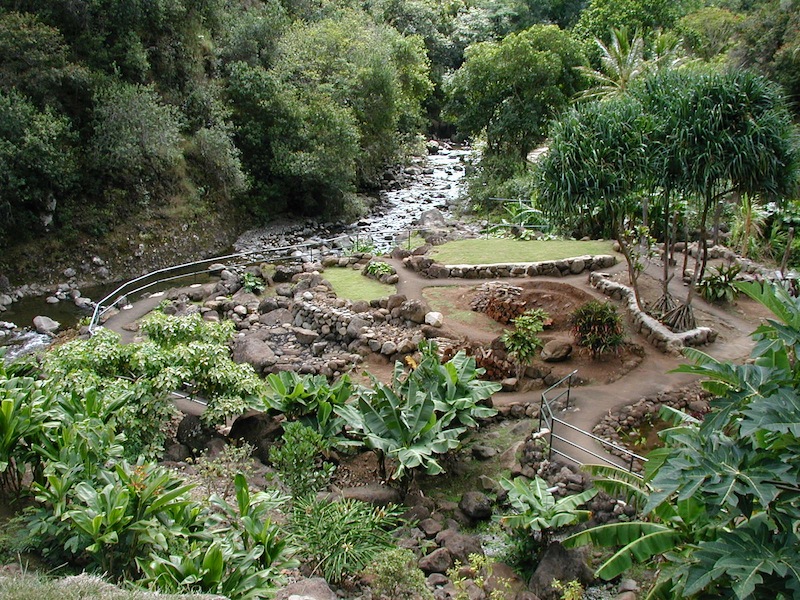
{"x": 120, "y": 292}
{"x": 548, "y": 421}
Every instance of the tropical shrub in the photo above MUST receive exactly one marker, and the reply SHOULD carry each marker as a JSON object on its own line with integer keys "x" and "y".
{"x": 340, "y": 539}
{"x": 522, "y": 343}
{"x": 395, "y": 575}
{"x": 598, "y": 327}
{"x": 718, "y": 286}
{"x": 182, "y": 353}
{"x": 299, "y": 460}
{"x": 720, "y": 499}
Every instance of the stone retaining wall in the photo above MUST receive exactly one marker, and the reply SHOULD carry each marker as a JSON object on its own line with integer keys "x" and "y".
{"x": 551, "y": 268}
{"x": 656, "y": 333}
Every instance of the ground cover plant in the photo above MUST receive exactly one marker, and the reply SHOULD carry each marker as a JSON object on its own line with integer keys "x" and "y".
{"x": 493, "y": 250}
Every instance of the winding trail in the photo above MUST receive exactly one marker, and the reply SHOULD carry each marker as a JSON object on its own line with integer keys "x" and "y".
{"x": 588, "y": 403}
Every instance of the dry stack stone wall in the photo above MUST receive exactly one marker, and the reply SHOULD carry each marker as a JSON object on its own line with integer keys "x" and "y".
{"x": 552, "y": 268}
{"x": 656, "y": 333}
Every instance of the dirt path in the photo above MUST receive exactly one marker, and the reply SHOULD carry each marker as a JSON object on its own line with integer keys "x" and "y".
{"x": 590, "y": 403}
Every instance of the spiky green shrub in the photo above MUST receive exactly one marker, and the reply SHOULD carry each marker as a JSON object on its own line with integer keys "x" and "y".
{"x": 598, "y": 327}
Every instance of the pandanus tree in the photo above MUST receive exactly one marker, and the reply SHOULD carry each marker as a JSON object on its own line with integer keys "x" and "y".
{"x": 728, "y": 133}
{"x": 597, "y": 165}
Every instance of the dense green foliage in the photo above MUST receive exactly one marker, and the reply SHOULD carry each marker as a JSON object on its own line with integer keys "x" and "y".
{"x": 720, "y": 499}
{"x": 597, "y": 326}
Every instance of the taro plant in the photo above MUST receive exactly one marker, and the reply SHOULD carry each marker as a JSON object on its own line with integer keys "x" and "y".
{"x": 339, "y": 539}
{"x": 598, "y": 327}
{"x": 299, "y": 460}
{"x": 253, "y": 283}
{"x": 523, "y": 342}
{"x": 378, "y": 268}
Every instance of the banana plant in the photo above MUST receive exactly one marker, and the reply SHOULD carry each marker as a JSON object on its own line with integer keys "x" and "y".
{"x": 459, "y": 396}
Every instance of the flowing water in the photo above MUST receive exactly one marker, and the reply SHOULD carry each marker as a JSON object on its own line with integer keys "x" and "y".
{"x": 434, "y": 181}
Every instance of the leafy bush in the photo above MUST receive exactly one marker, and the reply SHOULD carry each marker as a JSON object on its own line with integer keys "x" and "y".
{"x": 362, "y": 246}
{"x": 377, "y": 268}
{"x": 299, "y": 460}
{"x": 341, "y": 538}
{"x": 394, "y": 575}
{"x": 719, "y": 287}
{"x": 598, "y": 327}
{"x": 523, "y": 342}
{"x": 214, "y": 471}
{"x": 253, "y": 283}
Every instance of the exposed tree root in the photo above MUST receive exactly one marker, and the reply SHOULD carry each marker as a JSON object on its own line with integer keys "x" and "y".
{"x": 680, "y": 318}
{"x": 664, "y": 305}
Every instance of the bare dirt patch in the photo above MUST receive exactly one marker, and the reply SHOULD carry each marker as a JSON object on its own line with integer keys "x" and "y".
{"x": 559, "y": 300}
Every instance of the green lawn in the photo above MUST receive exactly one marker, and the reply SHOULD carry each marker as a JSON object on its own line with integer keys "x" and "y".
{"x": 506, "y": 250}
{"x": 351, "y": 284}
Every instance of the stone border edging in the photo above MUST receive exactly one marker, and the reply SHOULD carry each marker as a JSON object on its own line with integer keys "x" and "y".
{"x": 656, "y": 333}
{"x": 551, "y": 268}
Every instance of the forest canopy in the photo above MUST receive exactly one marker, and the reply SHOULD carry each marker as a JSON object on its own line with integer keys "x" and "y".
{"x": 111, "y": 109}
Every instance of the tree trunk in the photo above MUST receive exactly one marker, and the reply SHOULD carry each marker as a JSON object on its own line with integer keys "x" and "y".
{"x": 633, "y": 274}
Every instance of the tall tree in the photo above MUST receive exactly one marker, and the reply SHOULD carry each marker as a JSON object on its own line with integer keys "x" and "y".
{"x": 597, "y": 164}
{"x": 510, "y": 90}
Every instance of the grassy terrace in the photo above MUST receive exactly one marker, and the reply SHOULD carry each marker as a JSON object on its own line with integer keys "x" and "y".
{"x": 351, "y": 284}
{"x": 504, "y": 250}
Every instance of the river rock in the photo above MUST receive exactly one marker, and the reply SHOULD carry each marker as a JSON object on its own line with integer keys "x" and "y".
{"x": 434, "y": 319}
{"x": 476, "y": 505}
{"x": 45, "y": 325}
{"x": 314, "y": 588}
{"x": 431, "y": 218}
{"x": 414, "y": 311}
{"x": 562, "y": 564}
{"x": 438, "y": 561}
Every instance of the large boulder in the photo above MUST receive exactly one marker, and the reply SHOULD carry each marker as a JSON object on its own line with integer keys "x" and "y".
{"x": 45, "y": 325}
{"x": 260, "y": 430}
{"x": 253, "y": 348}
{"x": 314, "y": 588}
{"x": 556, "y": 351}
{"x": 438, "y": 561}
{"x": 431, "y": 218}
{"x": 459, "y": 545}
{"x": 414, "y": 311}
{"x": 375, "y": 494}
{"x": 562, "y": 564}
{"x": 194, "y": 434}
{"x": 476, "y": 505}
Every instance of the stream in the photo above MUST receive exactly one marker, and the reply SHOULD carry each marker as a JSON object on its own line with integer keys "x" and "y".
{"x": 434, "y": 181}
